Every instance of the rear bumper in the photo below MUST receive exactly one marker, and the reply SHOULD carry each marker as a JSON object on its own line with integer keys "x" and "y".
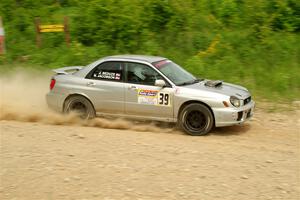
{"x": 233, "y": 116}
{"x": 55, "y": 101}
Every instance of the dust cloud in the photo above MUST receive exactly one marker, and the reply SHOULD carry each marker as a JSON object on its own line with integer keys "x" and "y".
{"x": 23, "y": 99}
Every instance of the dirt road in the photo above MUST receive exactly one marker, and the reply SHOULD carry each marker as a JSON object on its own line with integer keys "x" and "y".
{"x": 78, "y": 160}
{"x": 255, "y": 161}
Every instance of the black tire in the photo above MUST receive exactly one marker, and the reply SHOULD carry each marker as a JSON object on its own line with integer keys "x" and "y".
{"x": 196, "y": 119}
{"x": 81, "y": 105}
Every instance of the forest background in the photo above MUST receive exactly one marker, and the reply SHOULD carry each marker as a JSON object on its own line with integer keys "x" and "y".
{"x": 252, "y": 43}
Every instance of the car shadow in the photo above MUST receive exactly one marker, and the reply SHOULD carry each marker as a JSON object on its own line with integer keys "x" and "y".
{"x": 217, "y": 131}
{"x": 231, "y": 130}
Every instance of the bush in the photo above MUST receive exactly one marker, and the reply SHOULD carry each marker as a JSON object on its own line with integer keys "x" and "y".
{"x": 244, "y": 42}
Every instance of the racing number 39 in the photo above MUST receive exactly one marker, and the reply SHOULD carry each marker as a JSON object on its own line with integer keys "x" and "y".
{"x": 164, "y": 99}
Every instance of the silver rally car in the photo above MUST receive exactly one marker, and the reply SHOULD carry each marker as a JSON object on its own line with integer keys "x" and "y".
{"x": 149, "y": 88}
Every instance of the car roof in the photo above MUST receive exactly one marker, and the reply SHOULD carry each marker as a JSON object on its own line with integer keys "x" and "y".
{"x": 130, "y": 57}
{"x": 145, "y": 58}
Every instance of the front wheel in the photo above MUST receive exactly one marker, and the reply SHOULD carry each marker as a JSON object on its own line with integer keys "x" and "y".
{"x": 80, "y": 105}
{"x": 196, "y": 119}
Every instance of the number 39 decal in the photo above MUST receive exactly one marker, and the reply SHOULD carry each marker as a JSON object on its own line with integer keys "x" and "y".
{"x": 164, "y": 99}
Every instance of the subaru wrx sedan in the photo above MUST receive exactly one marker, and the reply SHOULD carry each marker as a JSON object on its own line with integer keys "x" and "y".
{"x": 149, "y": 88}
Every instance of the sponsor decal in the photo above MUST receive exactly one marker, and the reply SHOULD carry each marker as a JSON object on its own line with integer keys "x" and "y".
{"x": 148, "y": 93}
{"x": 153, "y": 97}
{"x": 147, "y": 96}
{"x": 159, "y": 64}
{"x": 118, "y": 76}
{"x": 108, "y": 75}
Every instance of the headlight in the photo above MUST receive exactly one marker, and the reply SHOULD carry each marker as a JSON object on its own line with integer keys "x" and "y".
{"x": 235, "y": 101}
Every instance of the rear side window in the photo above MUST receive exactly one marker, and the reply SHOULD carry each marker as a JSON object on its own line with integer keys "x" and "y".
{"x": 110, "y": 71}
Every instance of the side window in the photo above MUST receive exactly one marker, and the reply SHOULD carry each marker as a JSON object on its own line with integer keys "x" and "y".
{"x": 110, "y": 71}
{"x": 141, "y": 74}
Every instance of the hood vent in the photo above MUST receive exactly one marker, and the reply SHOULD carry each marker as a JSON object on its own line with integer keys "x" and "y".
{"x": 216, "y": 83}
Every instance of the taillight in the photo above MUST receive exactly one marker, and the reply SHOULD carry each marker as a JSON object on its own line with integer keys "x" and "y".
{"x": 52, "y": 83}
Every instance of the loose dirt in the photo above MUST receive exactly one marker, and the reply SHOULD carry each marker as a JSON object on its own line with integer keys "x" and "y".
{"x": 44, "y": 155}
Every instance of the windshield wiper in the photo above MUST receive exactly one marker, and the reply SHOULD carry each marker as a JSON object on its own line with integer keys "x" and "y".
{"x": 190, "y": 82}
{"x": 198, "y": 80}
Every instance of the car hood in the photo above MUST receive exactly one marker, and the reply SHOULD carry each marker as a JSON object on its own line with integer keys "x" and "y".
{"x": 220, "y": 88}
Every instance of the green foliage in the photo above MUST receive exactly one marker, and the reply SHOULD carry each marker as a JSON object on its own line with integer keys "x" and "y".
{"x": 253, "y": 43}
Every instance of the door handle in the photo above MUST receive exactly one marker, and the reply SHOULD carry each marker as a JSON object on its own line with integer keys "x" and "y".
{"x": 132, "y": 87}
{"x": 91, "y": 84}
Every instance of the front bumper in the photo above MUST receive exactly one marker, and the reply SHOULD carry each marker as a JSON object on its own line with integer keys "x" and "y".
{"x": 232, "y": 116}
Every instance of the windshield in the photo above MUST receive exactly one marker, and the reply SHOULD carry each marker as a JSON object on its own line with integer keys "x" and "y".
{"x": 175, "y": 73}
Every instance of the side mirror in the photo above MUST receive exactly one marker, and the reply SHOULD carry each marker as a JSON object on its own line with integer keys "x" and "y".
{"x": 160, "y": 83}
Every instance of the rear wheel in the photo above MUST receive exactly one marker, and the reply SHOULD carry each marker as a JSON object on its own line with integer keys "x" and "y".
{"x": 196, "y": 119}
{"x": 80, "y": 105}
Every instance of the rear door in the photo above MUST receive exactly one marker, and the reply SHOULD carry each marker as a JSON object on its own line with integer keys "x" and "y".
{"x": 142, "y": 97}
{"x": 105, "y": 87}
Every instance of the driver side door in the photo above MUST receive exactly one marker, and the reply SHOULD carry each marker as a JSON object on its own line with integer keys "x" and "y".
{"x": 142, "y": 97}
